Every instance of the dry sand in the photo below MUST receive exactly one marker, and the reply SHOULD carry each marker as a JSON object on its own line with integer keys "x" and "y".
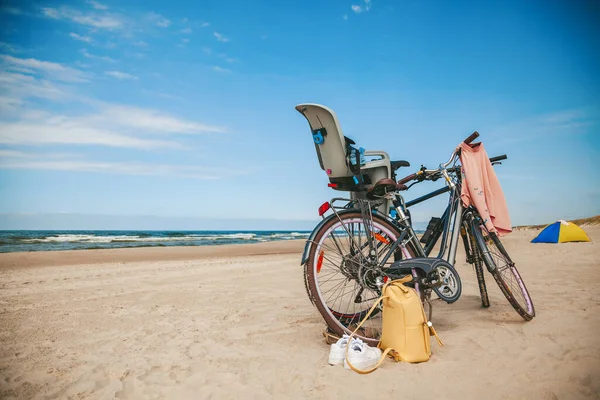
{"x": 235, "y": 322}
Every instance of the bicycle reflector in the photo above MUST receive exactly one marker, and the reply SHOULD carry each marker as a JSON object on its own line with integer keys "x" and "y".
{"x": 323, "y": 209}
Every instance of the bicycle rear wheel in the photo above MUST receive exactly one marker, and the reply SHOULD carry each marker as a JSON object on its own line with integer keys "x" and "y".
{"x": 341, "y": 282}
{"x": 504, "y": 271}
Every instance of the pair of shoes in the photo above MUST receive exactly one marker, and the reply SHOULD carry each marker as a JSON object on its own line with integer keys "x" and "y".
{"x": 337, "y": 352}
{"x": 360, "y": 354}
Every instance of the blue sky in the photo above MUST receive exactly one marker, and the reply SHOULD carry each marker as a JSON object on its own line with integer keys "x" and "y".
{"x": 176, "y": 111}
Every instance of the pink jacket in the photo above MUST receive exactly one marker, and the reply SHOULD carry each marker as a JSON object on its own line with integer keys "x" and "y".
{"x": 481, "y": 188}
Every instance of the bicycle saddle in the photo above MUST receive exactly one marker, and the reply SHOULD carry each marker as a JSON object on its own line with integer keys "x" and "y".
{"x": 382, "y": 187}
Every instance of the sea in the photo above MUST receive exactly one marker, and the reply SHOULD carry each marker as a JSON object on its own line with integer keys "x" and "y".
{"x": 19, "y": 241}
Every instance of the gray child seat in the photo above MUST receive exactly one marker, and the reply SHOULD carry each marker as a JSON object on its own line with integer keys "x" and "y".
{"x": 332, "y": 151}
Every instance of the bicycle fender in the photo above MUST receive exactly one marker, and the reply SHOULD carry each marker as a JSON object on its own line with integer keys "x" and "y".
{"x": 310, "y": 241}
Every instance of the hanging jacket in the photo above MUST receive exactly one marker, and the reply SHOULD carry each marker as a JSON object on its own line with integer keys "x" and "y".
{"x": 481, "y": 188}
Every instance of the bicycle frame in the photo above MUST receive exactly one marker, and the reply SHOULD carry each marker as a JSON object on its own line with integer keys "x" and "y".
{"x": 451, "y": 220}
{"x": 455, "y": 208}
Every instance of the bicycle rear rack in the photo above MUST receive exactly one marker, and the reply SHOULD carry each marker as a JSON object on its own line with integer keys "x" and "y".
{"x": 361, "y": 205}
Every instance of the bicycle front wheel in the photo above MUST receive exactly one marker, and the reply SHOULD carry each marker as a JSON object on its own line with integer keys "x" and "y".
{"x": 341, "y": 281}
{"x": 475, "y": 258}
{"x": 504, "y": 271}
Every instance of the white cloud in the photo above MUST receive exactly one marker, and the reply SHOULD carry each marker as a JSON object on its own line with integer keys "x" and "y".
{"x": 110, "y": 125}
{"x": 12, "y": 10}
{"x": 205, "y": 24}
{"x": 16, "y": 87}
{"x": 95, "y": 57}
{"x": 163, "y": 23}
{"x": 96, "y": 5}
{"x": 75, "y": 36}
{"x": 83, "y": 65}
{"x": 10, "y": 104}
{"x": 9, "y": 47}
{"x": 360, "y": 8}
{"x": 104, "y": 21}
{"x": 22, "y": 154}
{"x": 54, "y": 70}
{"x": 51, "y": 12}
{"x": 185, "y": 40}
{"x": 158, "y": 20}
{"x": 163, "y": 95}
{"x": 542, "y": 127}
{"x": 186, "y": 31}
{"x": 169, "y": 96}
{"x": 221, "y": 69}
{"x": 140, "y": 43}
{"x": 122, "y": 76}
{"x": 227, "y": 58}
{"x": 149, "y": 120}
{"x": 69, "y": 130}
{"x": 345, "y": 17}
{"x": 12, "y": 153}
{"x": 207, "y": 50}
{"x": 65, "y": 163}
{"x": 220, "y": 37}
{"x": 24, "y": 123}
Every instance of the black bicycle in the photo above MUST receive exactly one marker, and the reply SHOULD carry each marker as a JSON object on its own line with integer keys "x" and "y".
{"x": 356, "y": 249}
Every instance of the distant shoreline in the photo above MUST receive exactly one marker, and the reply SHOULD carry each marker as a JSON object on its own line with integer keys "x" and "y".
{"x": 17, "y": 260}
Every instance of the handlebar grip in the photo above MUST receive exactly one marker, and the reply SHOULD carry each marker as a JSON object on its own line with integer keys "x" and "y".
{"x": 407, "y": 179}
{"x": 498, "y": 158}
{"x": 473, "y": 136}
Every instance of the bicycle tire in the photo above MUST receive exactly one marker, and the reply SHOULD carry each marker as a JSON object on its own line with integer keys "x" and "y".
{"x": 340, "y": 321}
{"x": 478, "y": 264}
{"x": 525, "y": 307}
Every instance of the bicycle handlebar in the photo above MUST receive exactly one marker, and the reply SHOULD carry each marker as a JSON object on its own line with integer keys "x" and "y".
{"x": 407, "y": 179}
{"x": 414, "y": 176}
{"x": 473, "y": 136}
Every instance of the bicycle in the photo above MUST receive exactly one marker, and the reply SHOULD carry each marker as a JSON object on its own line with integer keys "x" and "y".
{"x": 356, "y": 249}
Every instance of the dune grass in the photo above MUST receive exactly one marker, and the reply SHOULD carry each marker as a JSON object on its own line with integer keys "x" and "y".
{"x": 590, "y": 221}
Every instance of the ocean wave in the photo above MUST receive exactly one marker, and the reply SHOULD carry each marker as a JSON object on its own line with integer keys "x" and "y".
{"x": 66, "y": 238}
{"x": 74, "y": 238}
{"x": 293, "y": 235}
{"x": 242, "y": 236}
{"x": 71, "y": 240}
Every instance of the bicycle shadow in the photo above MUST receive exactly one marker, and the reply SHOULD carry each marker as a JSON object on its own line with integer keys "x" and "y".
{"x": 468, "y": 311}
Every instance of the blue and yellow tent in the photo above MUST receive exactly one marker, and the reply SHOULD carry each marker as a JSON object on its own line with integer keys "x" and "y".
{"x": 561, "y": 232}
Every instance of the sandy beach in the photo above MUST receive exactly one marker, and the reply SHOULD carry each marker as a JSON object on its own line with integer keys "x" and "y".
{"x": 235, "y": 322}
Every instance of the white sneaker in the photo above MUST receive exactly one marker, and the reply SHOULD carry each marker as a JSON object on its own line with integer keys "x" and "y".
{"x": 361, "y": 355}
{"x": 337, "y": 352}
